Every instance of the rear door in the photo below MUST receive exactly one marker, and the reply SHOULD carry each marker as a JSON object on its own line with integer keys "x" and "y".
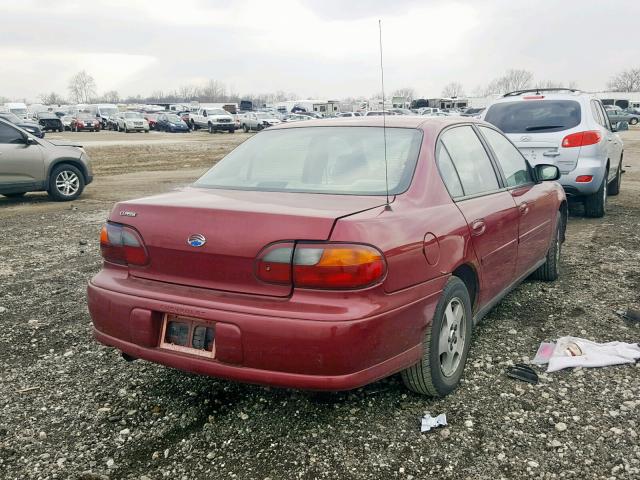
{"x": 535, "y": 202}
{"x": 613, "y": 144}
{"x": 488, "y": 208}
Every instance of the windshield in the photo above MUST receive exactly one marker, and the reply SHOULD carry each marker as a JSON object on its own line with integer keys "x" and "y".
{"x": 174, "y": 119}
{"x": 108, "y": 110}
{"x": 10, "y": 116}
{"x": 263, "y": 115}
{"x": 18, "y": 111}
{"x": 339, "y": 160}
{"x": 217, "y": 111}
{"x": 132, "y": 115}
{"x": 534, "y": 116}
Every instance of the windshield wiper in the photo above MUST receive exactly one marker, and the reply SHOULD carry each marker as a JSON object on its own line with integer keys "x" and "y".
{"x": 542, "y": 127}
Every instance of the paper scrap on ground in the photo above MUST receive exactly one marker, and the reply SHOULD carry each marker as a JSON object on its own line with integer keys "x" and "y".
{"x": 429, "y": 422}
{"x": 571, "y": 352}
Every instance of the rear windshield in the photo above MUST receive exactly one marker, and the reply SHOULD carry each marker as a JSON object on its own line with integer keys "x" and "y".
{"x": 339, "y": 160}
{"x": 534, "y": 116}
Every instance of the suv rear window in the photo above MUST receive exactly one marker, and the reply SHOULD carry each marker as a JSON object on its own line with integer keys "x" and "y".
{"x": 535, "y": 116}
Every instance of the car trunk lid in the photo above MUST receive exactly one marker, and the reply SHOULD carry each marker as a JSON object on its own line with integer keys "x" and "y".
{"x": 236, "y": 226}
{"x": 547, "y": 148}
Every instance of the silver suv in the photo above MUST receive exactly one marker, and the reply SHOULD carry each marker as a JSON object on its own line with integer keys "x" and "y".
{"x": 29, "y": 164}
{"x": 570, "y": 129}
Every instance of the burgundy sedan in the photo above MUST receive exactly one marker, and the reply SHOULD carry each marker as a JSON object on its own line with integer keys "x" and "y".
{"x": 288, "y": 264}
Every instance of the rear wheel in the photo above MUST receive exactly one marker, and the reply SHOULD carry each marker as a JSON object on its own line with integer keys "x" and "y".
{"x": 232, "y": 130}
{"x": 595, "y": 205}
{"x": 210, "y": 128}
{"x": 65, "y": 183}
{"x": 633, "y": 121}
{"x": 550, "y": 270}
{"x": 445, "y": 344}
{"x": 14, "y": 195}
{"x": 245, "y": 128}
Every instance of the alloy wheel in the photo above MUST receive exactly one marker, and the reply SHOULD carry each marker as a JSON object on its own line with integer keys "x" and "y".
{"x": 451, "y": 342}
{"x": 67, "y": 183}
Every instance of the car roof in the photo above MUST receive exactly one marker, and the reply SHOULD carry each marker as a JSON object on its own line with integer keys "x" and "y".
{"x": 391, "y": 121}
{"x": 560, "y": 94}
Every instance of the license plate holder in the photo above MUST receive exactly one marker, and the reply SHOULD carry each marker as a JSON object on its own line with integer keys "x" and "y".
{"x": 188, "y": 335}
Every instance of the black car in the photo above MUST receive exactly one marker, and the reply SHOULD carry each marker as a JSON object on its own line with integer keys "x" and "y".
{"x": 50, "y": 121}
{"x": 31, "y": 127}
{"x": 170, "y": 122}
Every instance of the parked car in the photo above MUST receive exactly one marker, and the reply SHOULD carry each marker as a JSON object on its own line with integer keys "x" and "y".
{"x": 83, "y": 121}
{"x": 429, "y": 110}
{"x": 131, "y": 122}
{"x": 213, "y": 119}
{"x": 66, "y": 121}
{"x": 472, "y": 112}
{"x": 31, "y": 127}
{"x": 170, "y": 122}
{"x": 321, "y": 296}
{"x": 151, "y": 119}
{"x": 349, "y": 114}
{"x": 28, "y": 164}
{"x": 570, "y": 129}
{"x": 617, "y": 115}
{"x": 401, "y": 111}
{"x": 258, "y": 121}
{"x": 50, "y": 121}
{"x": 104, "y": 112}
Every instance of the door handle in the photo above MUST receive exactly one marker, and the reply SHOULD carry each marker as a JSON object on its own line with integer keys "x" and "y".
{"x": 478, "y": 227}
{"x": 610, "y": 139}
{"x": 524, "y": 208}
{"x": 551, "y": 154}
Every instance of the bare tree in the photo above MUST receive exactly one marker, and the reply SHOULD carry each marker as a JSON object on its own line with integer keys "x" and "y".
{"x": 626, "y": 81}
{"x": 52, "y": 99}
{"x": 111, "y": 96}
{"x": 82, "y": 87}
{"x": 405, "y": 92}
{"x": 512, "y": 80}
{"x": 555, "y": 84}
{"x": 453, "y": 90}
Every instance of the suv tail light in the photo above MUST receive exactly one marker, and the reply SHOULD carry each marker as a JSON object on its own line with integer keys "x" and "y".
{"x": 321, "y": 265}
{"x": 582, "y": 139}
{"x": 123, "y": 245}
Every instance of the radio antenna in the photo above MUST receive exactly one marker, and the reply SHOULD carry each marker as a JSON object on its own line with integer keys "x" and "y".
{"x": 384, "y": 120}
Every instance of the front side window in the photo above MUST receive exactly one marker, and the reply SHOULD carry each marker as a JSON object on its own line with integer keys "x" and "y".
{"x": 513, "y": 164}
{"x": 339, "y": 160}
{"x": 470, "y": 160}
{"x": 9, "y": 134}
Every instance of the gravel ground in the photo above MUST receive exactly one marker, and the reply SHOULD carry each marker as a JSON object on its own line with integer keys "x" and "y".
{"x": 72, "y": 409}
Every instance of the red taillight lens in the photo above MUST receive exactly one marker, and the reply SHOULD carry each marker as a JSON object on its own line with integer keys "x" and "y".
{"x": 322, "y": 265}
{"x": 581, "y": 139}
{"x": 584, "y": 178}
{"x": 533, "y": 97}
{"x": 123, "y": 245}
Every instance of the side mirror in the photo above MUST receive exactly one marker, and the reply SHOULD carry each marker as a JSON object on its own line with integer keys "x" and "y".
{"x": 204, "y": 114}
{"x": 29, "y": 141}
{"x": 546, "y": 173}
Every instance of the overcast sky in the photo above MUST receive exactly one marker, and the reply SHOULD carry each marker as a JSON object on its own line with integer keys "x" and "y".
{"x": 315, "y": 48}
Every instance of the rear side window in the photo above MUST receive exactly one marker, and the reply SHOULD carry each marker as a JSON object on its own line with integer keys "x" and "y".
{"x": 448, "y": 172}
{"x": 533, "y": 116}
{"x": 470, "y": 159}
{"x": 597, "y": 114}
{"x": 509, "y": 157}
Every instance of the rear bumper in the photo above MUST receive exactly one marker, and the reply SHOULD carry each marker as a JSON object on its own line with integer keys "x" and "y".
{"x": 586, "y": 166}
{"x": 286, "y": 351}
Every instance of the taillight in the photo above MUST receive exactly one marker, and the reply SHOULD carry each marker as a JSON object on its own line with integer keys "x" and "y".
{"x": 533, "y": 97}
{"x": 581, "y": 139}
{"x": 123, "y": 245}
{"x": 321, "y": 265}
{"x": 584, "y": 178}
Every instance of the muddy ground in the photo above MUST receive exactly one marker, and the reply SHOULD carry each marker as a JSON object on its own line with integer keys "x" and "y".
{"x": 72, "y": 409}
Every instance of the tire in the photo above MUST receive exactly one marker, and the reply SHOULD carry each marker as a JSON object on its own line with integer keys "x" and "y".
{"x": 61, "y": 129}
{"x": 245, "y": 128}
{"x": 614, "y": 187}
{"x": 126, "y": 130}
{"x": 210, "y": 128}
{"x": 434, "y": 375}
{"x": 550, "y": 270}
{"x": 595, "y": 205}
{"x": 232, "y": 130}
{"x": 14, "y": 195}
{"x": 75, "y": 129}
{"x": 66, "y": 183}
{"x": 633, "y": 121}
